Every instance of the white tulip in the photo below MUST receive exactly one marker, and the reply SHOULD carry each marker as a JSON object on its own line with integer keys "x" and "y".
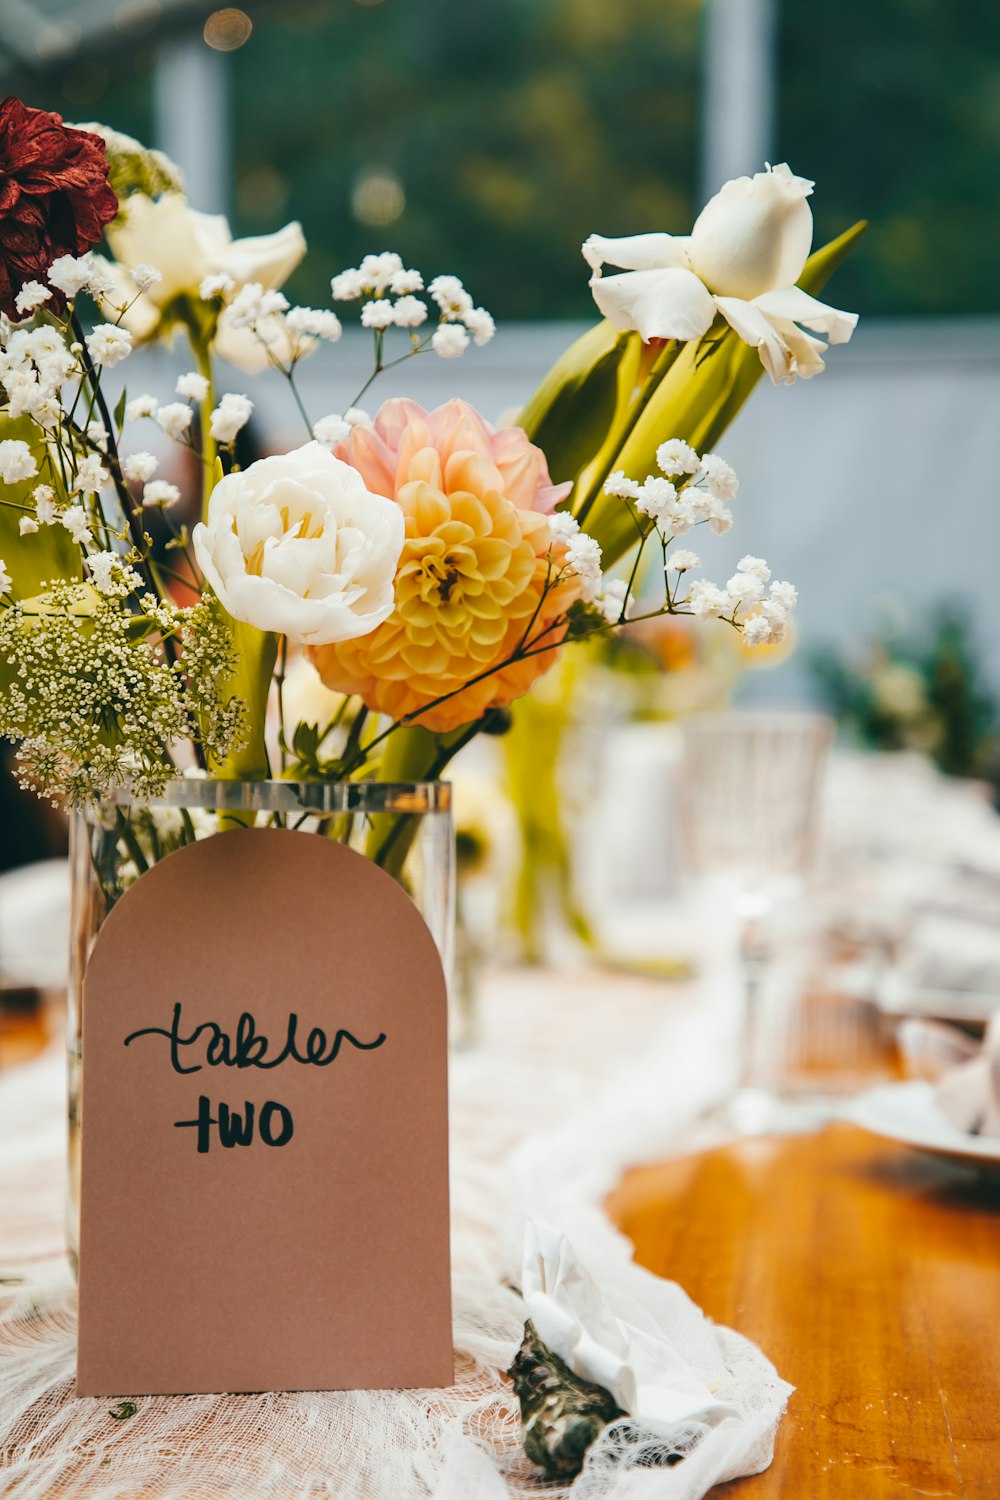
{"x": 742, "y": 259}
{"x": 186, "y": 246}
{"x": 297, "y": 545}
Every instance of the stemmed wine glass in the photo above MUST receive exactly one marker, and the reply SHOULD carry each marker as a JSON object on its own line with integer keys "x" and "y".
{"x": 750, "y": 786}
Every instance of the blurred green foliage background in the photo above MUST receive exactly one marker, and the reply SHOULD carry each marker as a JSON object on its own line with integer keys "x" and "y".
{"x": 490, "y": 138}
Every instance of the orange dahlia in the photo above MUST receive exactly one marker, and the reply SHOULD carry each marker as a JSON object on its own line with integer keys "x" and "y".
{"x": 472, "y": 579}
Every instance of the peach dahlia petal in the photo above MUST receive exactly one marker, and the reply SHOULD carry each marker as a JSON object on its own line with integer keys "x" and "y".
{"x": 471, "y": 580}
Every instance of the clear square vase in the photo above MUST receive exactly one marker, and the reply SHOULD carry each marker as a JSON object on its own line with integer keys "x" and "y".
{"x": 405, "y": 827}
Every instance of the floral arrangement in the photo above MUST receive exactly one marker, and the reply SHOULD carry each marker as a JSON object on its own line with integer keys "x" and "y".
{"x": 431, "y": 566}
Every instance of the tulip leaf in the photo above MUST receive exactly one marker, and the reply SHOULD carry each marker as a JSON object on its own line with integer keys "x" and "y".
{"x": 258, "y": 652}
{"x": 580, "y": 396}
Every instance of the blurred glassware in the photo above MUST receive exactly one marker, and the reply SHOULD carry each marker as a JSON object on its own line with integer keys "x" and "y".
{"x": 749, "y": 809}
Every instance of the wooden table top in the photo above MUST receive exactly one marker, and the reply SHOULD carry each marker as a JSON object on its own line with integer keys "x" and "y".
{"x": 871, "y": 1277}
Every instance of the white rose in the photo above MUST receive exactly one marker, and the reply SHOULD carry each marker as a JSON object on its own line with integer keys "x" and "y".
{"x": 742, "y": 259}
{"x": 297, "y": 545}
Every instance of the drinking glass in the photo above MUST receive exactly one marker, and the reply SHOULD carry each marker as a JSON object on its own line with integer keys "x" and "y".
{"x": 750, "y": 785}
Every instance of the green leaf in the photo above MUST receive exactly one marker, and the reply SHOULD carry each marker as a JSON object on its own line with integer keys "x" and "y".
{"x": 258, "y": 652}
{"x": 119, "y": 412}
{"x": 46, "y": 554}
{"x": 580, "y": 397}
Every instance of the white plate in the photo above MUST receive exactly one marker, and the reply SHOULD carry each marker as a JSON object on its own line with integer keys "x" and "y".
{"x": 908, "y": 1113}
{"x": 897, "y": 997}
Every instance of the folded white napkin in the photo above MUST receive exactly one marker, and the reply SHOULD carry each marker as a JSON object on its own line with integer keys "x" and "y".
{"x": 970, "y": 1094}
{"x": 645, "y": 1374}
{"x": 953, "y": 953}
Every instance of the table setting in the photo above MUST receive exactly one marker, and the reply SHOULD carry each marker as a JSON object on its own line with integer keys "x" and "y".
{"x": 333, "y": 1191}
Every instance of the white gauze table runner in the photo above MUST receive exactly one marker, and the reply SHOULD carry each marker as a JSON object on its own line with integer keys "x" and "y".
{"x": 576, "y": 1077}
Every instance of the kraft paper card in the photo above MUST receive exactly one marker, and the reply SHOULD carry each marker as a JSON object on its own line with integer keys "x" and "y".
{"x": 265, "y": 1174}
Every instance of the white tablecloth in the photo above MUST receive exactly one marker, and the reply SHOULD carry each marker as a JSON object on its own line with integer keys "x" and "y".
{"x": 575, "y": 1076}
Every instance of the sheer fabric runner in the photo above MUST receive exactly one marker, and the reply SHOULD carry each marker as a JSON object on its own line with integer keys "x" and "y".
{"x": 576, "y": 1077}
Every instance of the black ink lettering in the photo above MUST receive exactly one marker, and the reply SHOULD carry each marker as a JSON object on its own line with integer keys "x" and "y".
{"x": 236, "y": 1127}
{"x": 265, "y": 1126}
{"x": 234, "y": 1130}
{"x": 249, "y": 1048}
{"x": 203, "y": 1123}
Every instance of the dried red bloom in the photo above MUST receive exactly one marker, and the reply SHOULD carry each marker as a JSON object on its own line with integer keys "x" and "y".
{"x": 55, "y": 198}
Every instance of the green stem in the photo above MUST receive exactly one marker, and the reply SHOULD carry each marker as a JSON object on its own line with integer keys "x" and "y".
{"x": 203, "y": 360}
{"x": 633, "y": 412}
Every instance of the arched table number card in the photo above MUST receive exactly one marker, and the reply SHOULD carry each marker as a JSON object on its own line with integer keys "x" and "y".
{"x": 265, "y": 1172}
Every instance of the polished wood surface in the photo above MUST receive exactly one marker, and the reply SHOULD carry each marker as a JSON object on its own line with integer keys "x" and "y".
{"x": 871, "y": 1277}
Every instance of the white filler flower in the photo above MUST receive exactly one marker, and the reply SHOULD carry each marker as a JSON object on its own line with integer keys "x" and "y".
{"x": 742, "y": 259}
{"x": 297, "y": 545}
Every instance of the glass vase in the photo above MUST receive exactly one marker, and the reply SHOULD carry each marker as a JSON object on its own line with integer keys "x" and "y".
{"x": 405, "y": 827}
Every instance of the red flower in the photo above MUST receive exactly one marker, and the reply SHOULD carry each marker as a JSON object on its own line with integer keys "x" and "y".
{"x": 55, "y": 198}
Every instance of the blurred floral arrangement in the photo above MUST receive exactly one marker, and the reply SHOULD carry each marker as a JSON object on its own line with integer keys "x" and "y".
{"x": 425, "y": 562}
{"x": 929, "y": 696}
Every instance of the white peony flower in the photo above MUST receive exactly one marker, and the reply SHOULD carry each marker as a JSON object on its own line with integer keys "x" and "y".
{"x": 297, "y": 545}
{"x": 5, "y": 578}
{"x": 742, "y": 259}
{"x": 16, "y": 461}
{"x": 230, "y": 417}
